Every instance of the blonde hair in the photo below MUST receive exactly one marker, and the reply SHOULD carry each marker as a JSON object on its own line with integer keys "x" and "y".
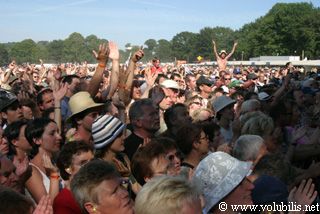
{"x": 165, "y": 194}
{"x": 196, "y": 114}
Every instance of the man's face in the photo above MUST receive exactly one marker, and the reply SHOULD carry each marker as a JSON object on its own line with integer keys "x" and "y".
{"x": 172, "y": 93}
{"x": 156, "y": 63}
{"x": 241, "y": 194}
{"x": 228, "y": 112}
{"x": 8, "y": 177}
{"x": 206, "y": 88}
{"x": 150, "y": 120}
{"x": 74, "y": 84}
{"x": 223, "y": 55}
{"x": 227, "y": 79}
{"x": 192, "y": 83}
{"x": 47, "y": 101}
{"x": 35, "y": 77}
{"x": 87, "y": 121}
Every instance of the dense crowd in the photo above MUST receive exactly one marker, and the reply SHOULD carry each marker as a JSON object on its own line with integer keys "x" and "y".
{"x": 157, "y": 138}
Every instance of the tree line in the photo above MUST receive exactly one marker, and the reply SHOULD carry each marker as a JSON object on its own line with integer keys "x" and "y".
{"x": 287, "y": 29}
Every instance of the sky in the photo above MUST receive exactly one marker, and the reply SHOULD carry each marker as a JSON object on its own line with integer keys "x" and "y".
{"x": 124, "y": 21}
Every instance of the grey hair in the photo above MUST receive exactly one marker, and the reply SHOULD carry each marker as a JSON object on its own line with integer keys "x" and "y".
{"x": 247, "y": 147}
{"x": 136, "y": 111}
{"x": 249, "y": 106}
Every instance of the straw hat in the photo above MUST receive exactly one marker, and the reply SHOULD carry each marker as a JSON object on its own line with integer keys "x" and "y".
{"x": 80, "y": 102}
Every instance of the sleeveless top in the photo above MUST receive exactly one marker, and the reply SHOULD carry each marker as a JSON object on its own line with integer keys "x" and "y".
{"x": 45, "y": 179}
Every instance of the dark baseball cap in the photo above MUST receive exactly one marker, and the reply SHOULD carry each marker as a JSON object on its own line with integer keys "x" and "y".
{"x": 202, "y": 80}
{"x": 6, "y": 99}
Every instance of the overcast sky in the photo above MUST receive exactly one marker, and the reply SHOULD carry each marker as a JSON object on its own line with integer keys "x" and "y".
{"x": 123, "y": 21}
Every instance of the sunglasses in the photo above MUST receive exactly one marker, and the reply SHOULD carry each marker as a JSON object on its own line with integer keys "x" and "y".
{"x": 197, "y": 103}
{"x": 227, "y": 78}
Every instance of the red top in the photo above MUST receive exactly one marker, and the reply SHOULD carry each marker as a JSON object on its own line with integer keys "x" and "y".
{"x": 65, "y": 203}
{"x": 156, "y": 70}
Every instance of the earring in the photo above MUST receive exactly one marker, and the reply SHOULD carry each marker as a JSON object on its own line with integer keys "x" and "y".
{"x": 68, "y": 170}
{"x": 94, "y": 209}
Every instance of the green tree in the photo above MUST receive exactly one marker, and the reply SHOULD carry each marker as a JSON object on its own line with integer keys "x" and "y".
{"x": 74, "y": 48}
{"x": 25, "y": 51}
{"x": 183, "y": 45}
{"x": 4, "y": 55}
{"x": 164, "y": 51}
{"x": 224, "y": 38}
{"x": 55, "y": 51}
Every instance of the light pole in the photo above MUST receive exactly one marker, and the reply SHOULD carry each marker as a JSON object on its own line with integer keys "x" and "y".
{"x": 242, "y": 53}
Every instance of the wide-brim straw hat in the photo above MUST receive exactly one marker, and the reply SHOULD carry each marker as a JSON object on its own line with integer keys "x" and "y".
{"x": 81, "y": 102}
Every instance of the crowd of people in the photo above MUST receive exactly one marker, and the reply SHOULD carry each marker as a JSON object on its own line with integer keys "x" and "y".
{"x": 157, "y": 138}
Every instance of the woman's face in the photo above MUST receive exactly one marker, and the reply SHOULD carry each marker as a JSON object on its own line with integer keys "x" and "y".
{"x": 166, "y": 103}
{"x": 204, "y": 143}
{"x": 51, "y": 138}
{"x": 113, "y": 198}
{"x": 4, "y": 147}
{"x": 80, "y": 159}
{"x": 22, "y": 143}
{"x": 118, "y": 144}
{"x": 175, "y": 162}
{"x": 136, "y": 94}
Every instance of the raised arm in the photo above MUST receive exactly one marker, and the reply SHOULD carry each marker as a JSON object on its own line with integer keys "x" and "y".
{"x": 232, "y": 51}
{"x": 102, "y": 58}
{"x": 114, "y": 78}
{"x": 127, "y": 77}
{"x": 215, "y": 50}
{"x": 12, "y": 66}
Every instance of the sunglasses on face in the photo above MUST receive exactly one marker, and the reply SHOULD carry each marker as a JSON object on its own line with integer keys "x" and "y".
{"x": 197, "y": 103}
{"x": 227, "y": 78}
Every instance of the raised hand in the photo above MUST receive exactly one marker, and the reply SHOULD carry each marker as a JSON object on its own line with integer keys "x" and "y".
{"x": 150, "y": 76}
{"x": 47, "y": 163}
{"x": 103, "y": 53}
{"x": 44, "y": 206}
{"x": 114, "y": 51}
{"x": 21, "y": 165}
{"x": 213, "y": 43}
{"x": 304, "y": 194}
{"x": 235, "y": 43}
{"x": 137, "y": 56}
{"x": 122, "y": 169}
{"x": 60, "y": 92}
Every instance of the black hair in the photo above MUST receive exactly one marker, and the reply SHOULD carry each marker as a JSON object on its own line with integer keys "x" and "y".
{"x": 12, "y": 132}
{"x": 66, "y": 155}
{"x": 68, "y": 79}
{"x": 34, "y": 130}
